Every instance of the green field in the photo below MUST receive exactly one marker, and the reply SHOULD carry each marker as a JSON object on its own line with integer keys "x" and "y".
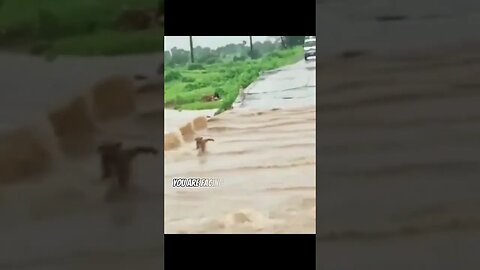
{"x": 185, "y": 86}
{"x": 87, "y": 27}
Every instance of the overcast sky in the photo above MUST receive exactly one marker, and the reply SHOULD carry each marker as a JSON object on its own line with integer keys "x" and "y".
{"x": 183, "y": 42}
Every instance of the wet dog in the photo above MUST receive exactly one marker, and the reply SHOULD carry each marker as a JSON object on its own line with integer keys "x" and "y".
{"x": 202, "y": 144}
{"x": 116, "y": 162}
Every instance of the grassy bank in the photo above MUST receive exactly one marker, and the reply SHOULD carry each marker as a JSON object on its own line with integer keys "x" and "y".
{"x": 185, "y": 86}
{"x": 88, "y": 27}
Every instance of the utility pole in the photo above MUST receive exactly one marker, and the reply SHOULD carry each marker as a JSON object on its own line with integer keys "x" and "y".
{"x": 191, "y": 49}
{"x": 251, "y": 45}
{"x": 283, "y": 42}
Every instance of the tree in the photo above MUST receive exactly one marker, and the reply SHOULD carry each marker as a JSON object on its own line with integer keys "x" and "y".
{"x": 167, "y": 56}
{"x": 265, "y": 47}
{"x": 291, "y": 41}
{"x": 179, "y": 56}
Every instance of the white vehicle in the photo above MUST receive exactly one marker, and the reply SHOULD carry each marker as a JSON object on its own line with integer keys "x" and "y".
{"x": 310, "y": 48}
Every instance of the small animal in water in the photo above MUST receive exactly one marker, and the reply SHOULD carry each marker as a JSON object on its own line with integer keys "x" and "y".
{"x": 202, "y": 144}
{"x": 116, "y": 162}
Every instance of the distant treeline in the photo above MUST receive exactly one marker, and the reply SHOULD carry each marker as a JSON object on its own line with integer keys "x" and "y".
{"x": 230, "y": 52}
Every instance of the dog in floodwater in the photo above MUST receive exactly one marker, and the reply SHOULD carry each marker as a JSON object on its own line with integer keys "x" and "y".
{"x": 116, "y": 161}
{"x": 202, "y": 144}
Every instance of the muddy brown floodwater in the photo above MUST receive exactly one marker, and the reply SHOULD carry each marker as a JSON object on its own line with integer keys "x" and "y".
{"x": 263, "y": 157}
{"x": 398, "y": 135}
{"x": 53, "y": 207}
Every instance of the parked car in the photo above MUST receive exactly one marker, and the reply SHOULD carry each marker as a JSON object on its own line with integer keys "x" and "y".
{"x": 310, "y": 48}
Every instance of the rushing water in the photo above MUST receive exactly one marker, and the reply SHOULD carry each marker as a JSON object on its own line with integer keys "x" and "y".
{"x": 61, "y": 218}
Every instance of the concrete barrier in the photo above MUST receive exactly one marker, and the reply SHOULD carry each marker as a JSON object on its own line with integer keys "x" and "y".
{"x": 24, "y": 152}
{"x": 171, "y": 141}
{"x": 73, "y": 127}
{"x": 113, "y": 98}
{"x": 187, "y": 132}
{"x": 200, "y": 123}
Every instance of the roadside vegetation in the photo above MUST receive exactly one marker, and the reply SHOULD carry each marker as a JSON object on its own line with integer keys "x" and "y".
{"x": 222, "y": 72}
{"x": 87, "y": 27}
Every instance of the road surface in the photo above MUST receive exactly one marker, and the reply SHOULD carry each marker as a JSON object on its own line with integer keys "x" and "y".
{"x": 289, "y": 87}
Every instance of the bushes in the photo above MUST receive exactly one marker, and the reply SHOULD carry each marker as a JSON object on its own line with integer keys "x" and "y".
{"x": 195, "y": 66}
{"x": 246, "y": 78}
{"x": 211, "y": 61}
{"x": 239, "y": 58}
{"x": 187, "y": 79}
{"x": 274, "y": 54}
{"x": 196, "y": 85}
{"x": 184, "y": 98}
{"x": 232, "y": 73}
{"x": 229, "y": 99}
{"x": 220, "y": 91}
{"x": 254, "y": 54}
{"x": 172, "y": 76}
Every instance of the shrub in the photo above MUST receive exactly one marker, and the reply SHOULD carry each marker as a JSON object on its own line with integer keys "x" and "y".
{"x": 191, "y": 86}
{"x": 211, "y": 61}
{"x": 195, "y": 66}
{"x": 172, "y": 76}
{"x": 239, "y": 58}
{"x": 183, "y": 99}
{"x": 196, "y": 85}
{"x": 220, "y": 91}
{"x": 187, "y": 79}
{"x": 254, "y": 54}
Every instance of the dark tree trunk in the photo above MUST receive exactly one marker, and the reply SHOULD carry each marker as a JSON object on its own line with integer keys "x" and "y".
{"x": 251, "y": 44}
{"x": 283, "y": 42}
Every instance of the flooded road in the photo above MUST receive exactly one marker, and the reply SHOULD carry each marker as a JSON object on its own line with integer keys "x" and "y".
{"x": 290, "y": 87}
{"x": 390, "y": 26}
{"x": 61, "y": 217}
{"x": 398, "y": 131}
{"x": 263, "y": 157}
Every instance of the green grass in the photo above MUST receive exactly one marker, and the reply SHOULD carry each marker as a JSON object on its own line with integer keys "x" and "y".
{"x": 185, "y": 87}
{"x": 74, "y": 27}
